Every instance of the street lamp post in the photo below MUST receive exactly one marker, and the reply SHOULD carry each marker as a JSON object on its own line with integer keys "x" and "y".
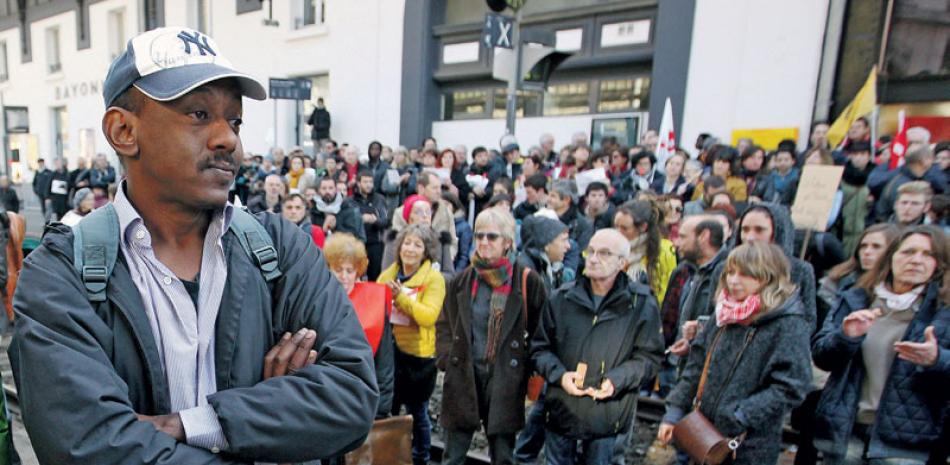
{"x": 515, "y": 82}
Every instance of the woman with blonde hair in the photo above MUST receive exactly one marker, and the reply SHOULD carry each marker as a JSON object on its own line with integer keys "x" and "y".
{"x": 751, "y": 364}
{"x": 418, "y": 290}
{"x": 346, "y": 257}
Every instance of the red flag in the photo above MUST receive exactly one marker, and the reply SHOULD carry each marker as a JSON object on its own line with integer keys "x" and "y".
{"x": 899, "y": 144}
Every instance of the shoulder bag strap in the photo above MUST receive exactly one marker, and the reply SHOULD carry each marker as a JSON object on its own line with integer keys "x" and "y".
{"x": 702, "y": 379}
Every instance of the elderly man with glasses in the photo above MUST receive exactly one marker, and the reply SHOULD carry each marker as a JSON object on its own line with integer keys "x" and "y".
{"x": 596, "y": 342}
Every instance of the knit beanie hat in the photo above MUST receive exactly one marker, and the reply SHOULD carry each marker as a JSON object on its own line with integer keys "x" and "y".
{"x": 79, "y": 195}
{"x": 542, "y": 231}
{"x": 410, "y": 201}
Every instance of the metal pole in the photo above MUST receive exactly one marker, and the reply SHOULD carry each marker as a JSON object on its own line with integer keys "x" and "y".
{"x": 6, "y": 137}
{"x": 884, "y": 38}
{"x": 275, "y": 122}
{"x": 515, "y": 82}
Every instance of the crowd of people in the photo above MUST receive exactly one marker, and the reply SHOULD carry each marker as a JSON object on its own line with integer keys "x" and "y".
{"x": 662, "y": 277}
{"x": 595, "y": 275}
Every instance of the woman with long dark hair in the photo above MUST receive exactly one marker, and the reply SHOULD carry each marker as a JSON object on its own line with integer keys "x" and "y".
{"x": 652, "y": 257}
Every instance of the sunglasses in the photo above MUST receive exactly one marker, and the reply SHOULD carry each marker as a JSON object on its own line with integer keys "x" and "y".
{"x": 492, "y": 237}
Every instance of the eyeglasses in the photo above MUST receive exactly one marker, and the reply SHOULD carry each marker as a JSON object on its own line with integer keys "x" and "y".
{"x": 602, "y": 254}
{"x": 492, "y": 237}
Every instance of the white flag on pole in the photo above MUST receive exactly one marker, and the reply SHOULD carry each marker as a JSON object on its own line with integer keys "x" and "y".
{"x": 666, "y": 145}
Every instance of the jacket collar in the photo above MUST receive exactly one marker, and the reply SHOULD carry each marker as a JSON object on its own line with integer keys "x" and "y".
{"x": 613, "y": 302}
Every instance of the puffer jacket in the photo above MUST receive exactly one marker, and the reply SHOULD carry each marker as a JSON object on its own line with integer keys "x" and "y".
{"x": 620, "y": 341}
{"x": 750, "y": 393}
{"x": 418, "y": 338}
{"x": 913, "y": 404}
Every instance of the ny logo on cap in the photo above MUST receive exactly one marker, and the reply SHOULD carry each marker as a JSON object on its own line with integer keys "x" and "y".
{"x": 198, "y": 40}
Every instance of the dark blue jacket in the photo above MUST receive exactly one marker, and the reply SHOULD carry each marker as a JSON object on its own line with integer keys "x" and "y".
{"x": 914, "y": 402}
{"x": 83, "y": 371}
{"x": 464, "y": 232}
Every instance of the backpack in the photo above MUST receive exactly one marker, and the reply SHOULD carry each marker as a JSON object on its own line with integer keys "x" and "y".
{"x": 96, "y": 247}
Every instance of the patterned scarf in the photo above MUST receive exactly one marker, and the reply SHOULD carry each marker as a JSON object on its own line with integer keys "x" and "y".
{"x": 498, "y": 275}
{"x": 729, "y": 310}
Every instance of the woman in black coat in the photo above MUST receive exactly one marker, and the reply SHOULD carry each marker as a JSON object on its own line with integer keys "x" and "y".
{"x": 482, "y": 343}
{"x": 759, "y": 365}
{"x": 887, "y": 348}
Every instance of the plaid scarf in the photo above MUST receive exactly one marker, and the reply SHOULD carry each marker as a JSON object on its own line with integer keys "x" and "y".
{"x": 498, "y": 275}
{"x": 729, "y": 310}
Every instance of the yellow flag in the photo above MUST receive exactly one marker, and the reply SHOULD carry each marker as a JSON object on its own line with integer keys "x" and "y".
{"x": 862, "y": 104}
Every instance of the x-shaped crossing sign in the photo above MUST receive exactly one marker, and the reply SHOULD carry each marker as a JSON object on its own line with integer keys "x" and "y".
{"x": 497, "y": 31}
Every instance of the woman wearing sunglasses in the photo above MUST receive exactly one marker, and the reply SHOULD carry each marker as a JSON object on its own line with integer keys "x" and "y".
{"x": 491, "y": 308}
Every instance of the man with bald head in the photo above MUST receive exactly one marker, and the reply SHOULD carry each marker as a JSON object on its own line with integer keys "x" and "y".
{"x": 270, "y": 200}
{"x": 597, "y": 341}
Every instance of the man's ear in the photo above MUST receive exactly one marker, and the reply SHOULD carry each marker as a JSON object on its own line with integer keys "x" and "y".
{"x": 120, "y": 128}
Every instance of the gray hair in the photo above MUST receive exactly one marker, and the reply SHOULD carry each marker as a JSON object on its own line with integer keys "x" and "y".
{"x": 80, "y": 195}
{"x": 565, "y": 189}
{"x": 919, "y": 135}
{"x": 619, "y": 242}
{"x": 497, "y": 217}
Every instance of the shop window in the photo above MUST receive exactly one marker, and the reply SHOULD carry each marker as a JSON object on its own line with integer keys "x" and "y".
{"x": 528, "y": 104}
{"x": 465, "y": 104}
{"x": 567, "y": 99}
{"x": 61, "y": 132}
{"x": 623, "y": 95}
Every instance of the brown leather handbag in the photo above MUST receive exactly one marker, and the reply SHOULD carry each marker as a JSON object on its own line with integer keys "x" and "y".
{"x": 535, "y": 381}
{"x": 695, "y": 434}
{"x": 389, "y": 443}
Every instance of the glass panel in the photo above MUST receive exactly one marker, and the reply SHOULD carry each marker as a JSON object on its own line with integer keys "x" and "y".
{"x": 529, "y": 103}
{"x": 919, "y": 41}
{"x": 463, "y": 104}
{"x": 567, "y": 99}
{"x": 624, "y": 94}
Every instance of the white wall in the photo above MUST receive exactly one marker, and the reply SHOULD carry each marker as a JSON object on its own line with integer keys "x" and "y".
{"x": 753, "y": 64}
{"x": 528, "y": 131}
{"x": 359, "y": 48}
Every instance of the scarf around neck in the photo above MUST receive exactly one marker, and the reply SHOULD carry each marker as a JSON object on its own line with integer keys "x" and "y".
{"x": 730, "y": 311}
{"x": 498, "y": 275}
{"x": 332, "y": 208}
{"x": 294, "y": 176}
{"x": 896, "y": 301}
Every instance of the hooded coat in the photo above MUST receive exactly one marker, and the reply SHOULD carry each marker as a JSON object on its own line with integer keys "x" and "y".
{"x": 748, "y": 392}
{"x": 783, "y": 235}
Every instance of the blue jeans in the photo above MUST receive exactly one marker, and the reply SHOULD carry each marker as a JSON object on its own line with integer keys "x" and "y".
{"x": 531, "y": 439}
{"x": 561, "y": 450}
{"x": 421, "y": 431}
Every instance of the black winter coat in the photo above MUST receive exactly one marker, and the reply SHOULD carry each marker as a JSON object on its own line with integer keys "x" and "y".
{"x": 509, "y": 375}
{"x": 620, "y": 341}
{"x": 83, "y": 371}
{"x": 913, "y": 405}
{"x": 374, "y": 204}
{"x": 751, "y": 394}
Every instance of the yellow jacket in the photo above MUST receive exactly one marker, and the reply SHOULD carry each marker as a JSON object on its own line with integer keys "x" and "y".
{"x": 664, "y": 270}
{"x": 418, "y": 338}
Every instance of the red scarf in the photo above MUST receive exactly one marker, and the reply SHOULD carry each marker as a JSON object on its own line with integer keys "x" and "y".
{"x": 730, "y": 311}
{"x": 498, "y": 275}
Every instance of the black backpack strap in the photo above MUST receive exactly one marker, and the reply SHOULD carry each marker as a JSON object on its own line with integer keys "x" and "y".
{"x": 256, "y": 242}
{"x": 96, "y": 249}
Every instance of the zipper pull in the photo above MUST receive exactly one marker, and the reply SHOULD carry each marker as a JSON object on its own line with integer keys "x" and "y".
{"x": 602, "y": 367}
{"x": 595, "y": 321}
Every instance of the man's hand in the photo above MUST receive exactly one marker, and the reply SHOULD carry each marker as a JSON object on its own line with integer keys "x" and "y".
{"x": 924, "y": 354}
{"x": 858, "y": 323}
{"x": 606, "y": 390}
{"x": 665, "y": 434}
{"x": 680, "y": 348}
{"x": 690, "y": 329}
{"x": 479, "y": 191}
{"x": 291, "y": 354}
{"x": 569, "y": 383}
{"x": 169, "y": 424}
{"x": 404, "y": 178}
{"x": 329, "y": 223}
{"x": 369, "y": 218}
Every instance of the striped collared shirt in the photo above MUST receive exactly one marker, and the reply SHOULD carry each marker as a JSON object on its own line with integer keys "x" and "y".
{"x": 184, "y": 335}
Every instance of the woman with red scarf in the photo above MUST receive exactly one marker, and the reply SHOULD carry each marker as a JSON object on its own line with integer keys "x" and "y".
{"x": 752, "y": 358}
{"x": 482, "y": 335}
